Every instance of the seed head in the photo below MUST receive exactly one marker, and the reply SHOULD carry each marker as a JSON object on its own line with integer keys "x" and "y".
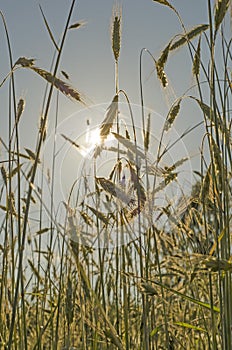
{"x": 116, "y": 31}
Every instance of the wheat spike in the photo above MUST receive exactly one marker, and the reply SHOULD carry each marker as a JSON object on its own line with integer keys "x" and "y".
{"x": 197, "y": 60}
{"x": 173, "y": 46}
{"x": 161, "y": 75}
{"x": 147, "y": 133}
{"x": 63, "y": 87}
{"x": 31, "y": 154}
{"x": 218, "y": 164}
{"x": 209, "y": 112}
{"x": 114, "y": 190}
{"x": 20, "y": 109}
{"x": 190, "y": 35}
{"x": 50, "y": 78}
{"x": 99, "y": 215}
{"x": 111, "y": 114}
{"x": 161, "y": 63}
{"x": 87, "y": 218}
{"x": 116, "y": 32}
{"x": 206, "y": 185}
{"x": 172, "y": 115}
{"x": 164, "y": 56}
{"x": 220, "y": 11}
{"x": 25, "y": 62}
{"x": 166, "y": 3}
{"x": 4, "y": 174}
{"x": 43, "y": 127}
{"x": 11, "y": 204}
{"x": 35, "y": 271}
{"x": 168, "y": 178}
{"x": 139, "y": 188}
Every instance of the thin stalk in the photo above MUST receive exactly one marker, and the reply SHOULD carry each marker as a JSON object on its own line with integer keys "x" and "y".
{"x": 20, "y": 273}
{"x": 39, "y": 315}
{"x": 117, "y": 258}
{"x": 151, "y": 204}
{"x": 125, "y": 288}
{"x": 144, "y": 315}
{"x": 30, "y": 188}
{"x": 52, "y": 230}
{"x": 218, "y": 228}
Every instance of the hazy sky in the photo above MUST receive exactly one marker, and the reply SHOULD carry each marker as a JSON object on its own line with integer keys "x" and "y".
{"x": 88, "y": 59}
{"x": 88, "y": 56}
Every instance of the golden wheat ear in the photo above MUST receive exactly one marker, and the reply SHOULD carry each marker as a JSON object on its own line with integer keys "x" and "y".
{"x": 25, "y": 62}
{"x": 62, "y": 86}
{"x": 111, "y": 114}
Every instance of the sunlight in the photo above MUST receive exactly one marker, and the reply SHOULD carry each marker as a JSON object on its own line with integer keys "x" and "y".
{"x": 93, "y": 137}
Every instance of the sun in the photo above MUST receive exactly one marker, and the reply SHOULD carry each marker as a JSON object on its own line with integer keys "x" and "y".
{"x": 92, "y": 140}
{"x": 94, "y": 137}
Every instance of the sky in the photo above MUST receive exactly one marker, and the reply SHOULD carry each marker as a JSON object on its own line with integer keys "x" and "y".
{"x": 88, "y": 60}
{"x": 88, "y": 55}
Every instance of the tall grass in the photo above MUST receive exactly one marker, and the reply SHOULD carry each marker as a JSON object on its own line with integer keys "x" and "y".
{"x": 128, "y": 266}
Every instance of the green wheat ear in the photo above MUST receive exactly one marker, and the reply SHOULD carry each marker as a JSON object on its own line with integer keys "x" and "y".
{"x": 116, "y": 32}
{"x": 197, "y": 59}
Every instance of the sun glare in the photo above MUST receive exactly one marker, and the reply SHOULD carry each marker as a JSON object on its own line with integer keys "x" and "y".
{"x": 92, "y": 140}
{"x": 94, "y": 137}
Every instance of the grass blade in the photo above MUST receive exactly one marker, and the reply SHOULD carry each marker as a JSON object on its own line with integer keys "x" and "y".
{"x": 129, "y": 145}
{"x": 190, "y": 326}
{"x": 152, "y": 291}
{"x": 48, "y": 29}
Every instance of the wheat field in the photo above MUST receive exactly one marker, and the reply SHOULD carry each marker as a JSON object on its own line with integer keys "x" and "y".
{"x": 129, "y": 260}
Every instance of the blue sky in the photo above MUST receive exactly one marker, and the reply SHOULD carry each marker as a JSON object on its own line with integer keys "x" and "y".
{"x": 88, "y": 59}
